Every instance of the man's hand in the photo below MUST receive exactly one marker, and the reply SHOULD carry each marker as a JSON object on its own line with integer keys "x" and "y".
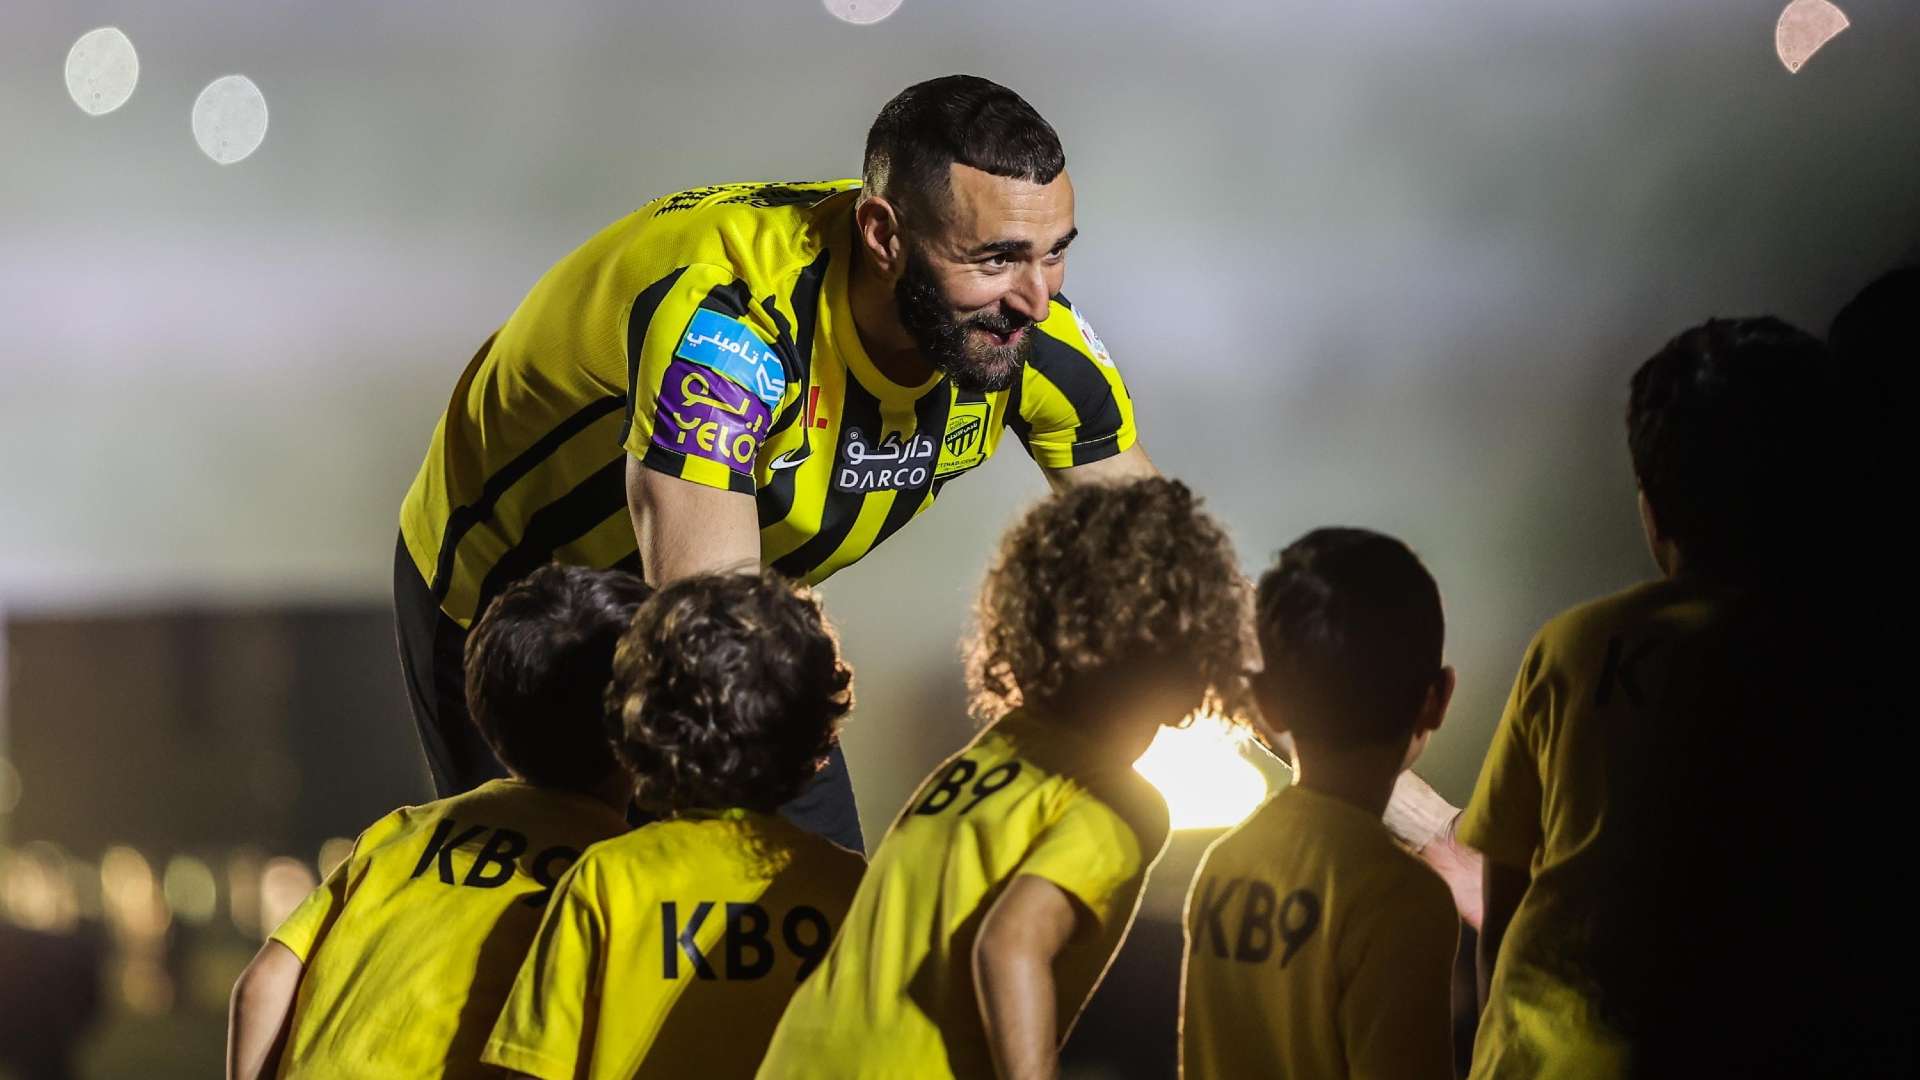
{"x": 1013, "y": 976}
{"x": 1129, "y": 464}
{"x": 685, "y": 528}
{"x": 1423, "y": 823}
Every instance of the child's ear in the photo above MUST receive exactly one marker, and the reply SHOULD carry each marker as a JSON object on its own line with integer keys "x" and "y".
{"x": 1439, "y": 696}
{"x": 1269, "y": 714}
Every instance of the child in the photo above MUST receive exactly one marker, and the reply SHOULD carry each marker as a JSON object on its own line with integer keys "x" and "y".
{"x": 671, "y": 951}
{"x": 399, "y": 961}
{"x": 1661, "y": 899}
{"x": 1316, "y": 946}
{"x": 1006, "y": 885}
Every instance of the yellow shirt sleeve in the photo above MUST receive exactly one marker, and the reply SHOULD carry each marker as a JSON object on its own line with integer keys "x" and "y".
{"x": 1396, "y": 1013}
{"x": 555, "y": 1001}
{"x": 704, "y": 378}
{"x": 302, "y": 930}
{"x": 1074, "y": 406}
{"x": 1092, "y": 853}
{"x": 1503, "y": 818}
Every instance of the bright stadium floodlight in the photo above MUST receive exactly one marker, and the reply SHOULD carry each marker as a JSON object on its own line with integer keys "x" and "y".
{"x": 102, "y": 70}
{"x": 1803, "y": 28}
{"x": 1203, "y": 772}
{"x": 230, "y": 119}
{"x": 861, "y": 12}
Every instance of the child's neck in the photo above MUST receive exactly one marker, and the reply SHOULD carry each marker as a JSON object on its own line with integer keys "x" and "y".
{"x": 1360, "y": 776}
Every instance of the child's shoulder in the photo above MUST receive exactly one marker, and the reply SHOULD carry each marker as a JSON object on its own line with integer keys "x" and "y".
{"x": 1072, "y": 768}
{"x": 1589, "y": 625}
{"x": 1129, "y": 795}
{"x": 690, "y": 842}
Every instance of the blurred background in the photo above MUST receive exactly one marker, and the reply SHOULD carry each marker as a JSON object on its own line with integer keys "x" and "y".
{"x": 1381, "y": 262}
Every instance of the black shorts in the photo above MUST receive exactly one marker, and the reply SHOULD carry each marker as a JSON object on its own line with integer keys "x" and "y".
{"x": 431, "y": 650}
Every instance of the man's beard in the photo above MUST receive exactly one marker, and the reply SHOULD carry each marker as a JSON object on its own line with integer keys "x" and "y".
{"x": 945, "y": 339}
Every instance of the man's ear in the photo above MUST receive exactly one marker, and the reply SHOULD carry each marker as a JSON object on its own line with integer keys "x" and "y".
{"x": 878, "y": 223}
{"x": 1439, "y": 695}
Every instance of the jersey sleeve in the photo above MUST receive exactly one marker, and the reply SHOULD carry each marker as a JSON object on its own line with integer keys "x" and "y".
{"x": 704, "y": 379}
{"x": 1074, "y": 406}
{"x": 302, "y": 930}
{"x": 1093, "y": 854}
{"x": 553, "y": 1008}
{"x": 1503, "y": 818}
{"x": 1396, "y": 1013}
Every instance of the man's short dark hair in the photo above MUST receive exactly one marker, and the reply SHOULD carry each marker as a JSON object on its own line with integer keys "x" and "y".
{"x": 930, "y": 126}
{"x": 537, "y": 666}
{"x": 728, "y": 690}
{"x": 1350, "y": 632}
{"x": 1725, "y": 424}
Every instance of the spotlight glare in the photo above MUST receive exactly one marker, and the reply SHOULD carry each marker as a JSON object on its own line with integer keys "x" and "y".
{"x": 230, "y": 119}
{"x": 861, "y": 12}
{"x": 102, "y": 69}
{"x": 1204, "y": 774}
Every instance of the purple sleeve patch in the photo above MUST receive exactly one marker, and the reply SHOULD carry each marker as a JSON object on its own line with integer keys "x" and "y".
{"x": 702, "y": 413}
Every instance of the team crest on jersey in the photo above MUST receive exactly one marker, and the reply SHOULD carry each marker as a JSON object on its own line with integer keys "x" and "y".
{"x": 888, "y": 465}
{"x": 1093, "y": 340}
{"x": 730, "y": 347}
{"x": 964, "y": 445}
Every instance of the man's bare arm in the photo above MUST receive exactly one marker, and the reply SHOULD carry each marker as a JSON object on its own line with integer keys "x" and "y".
{"x": 259, "y": 1012}
{"x": 1423, "y": 822}
{"x": 1130, "y": 464}
{"x": 1013, "y": 976}
{"x": 687, "y": 528}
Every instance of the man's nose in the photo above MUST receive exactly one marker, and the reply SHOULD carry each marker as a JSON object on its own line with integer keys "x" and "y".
{"x": 1029, "y": 295}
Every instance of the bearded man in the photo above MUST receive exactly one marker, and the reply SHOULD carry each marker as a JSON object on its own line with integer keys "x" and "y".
{"x": 782, "y": 374}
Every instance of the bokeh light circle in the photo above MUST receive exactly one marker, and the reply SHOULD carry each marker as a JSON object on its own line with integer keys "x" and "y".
{"x": 861, "y": 12}
{"x": 102, "y": 70}
{"x": 230, "y": 119}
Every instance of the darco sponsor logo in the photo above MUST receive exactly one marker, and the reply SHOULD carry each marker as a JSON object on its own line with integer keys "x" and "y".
{"x": 890, "y": 465}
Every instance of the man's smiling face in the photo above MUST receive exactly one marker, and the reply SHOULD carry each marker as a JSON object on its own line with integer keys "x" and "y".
{"x": 976, "y": 279}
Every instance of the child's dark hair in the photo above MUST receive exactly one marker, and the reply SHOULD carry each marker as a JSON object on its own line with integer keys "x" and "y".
{"x": 728, "y": 690}
{"x": 1877, "y": 329}
{"x": 537, "y": 665}
{"x": 1726, "y": 425}
{"x": 1099, "y": 579}
{"x": 1350, "y": 627}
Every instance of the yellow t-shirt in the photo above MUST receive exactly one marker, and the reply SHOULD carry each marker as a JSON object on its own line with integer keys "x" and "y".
{"x": 1316, "y": 948}
{"x": 671, "y": 951}
{"x": 1628, "y": 776}
{"x": 411, "y": 944}
{"x": 709, "y": 334}
{"x": 895, "y": 995}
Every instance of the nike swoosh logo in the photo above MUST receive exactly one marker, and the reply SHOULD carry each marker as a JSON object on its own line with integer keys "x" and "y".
{"x": 788, "y": 461}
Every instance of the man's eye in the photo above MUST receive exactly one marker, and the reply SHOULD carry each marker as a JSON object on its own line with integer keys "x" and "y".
{"x": 998, "y": 262}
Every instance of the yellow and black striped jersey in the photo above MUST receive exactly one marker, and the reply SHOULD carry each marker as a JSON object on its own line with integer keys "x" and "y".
{"x": 709, "y": 334}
